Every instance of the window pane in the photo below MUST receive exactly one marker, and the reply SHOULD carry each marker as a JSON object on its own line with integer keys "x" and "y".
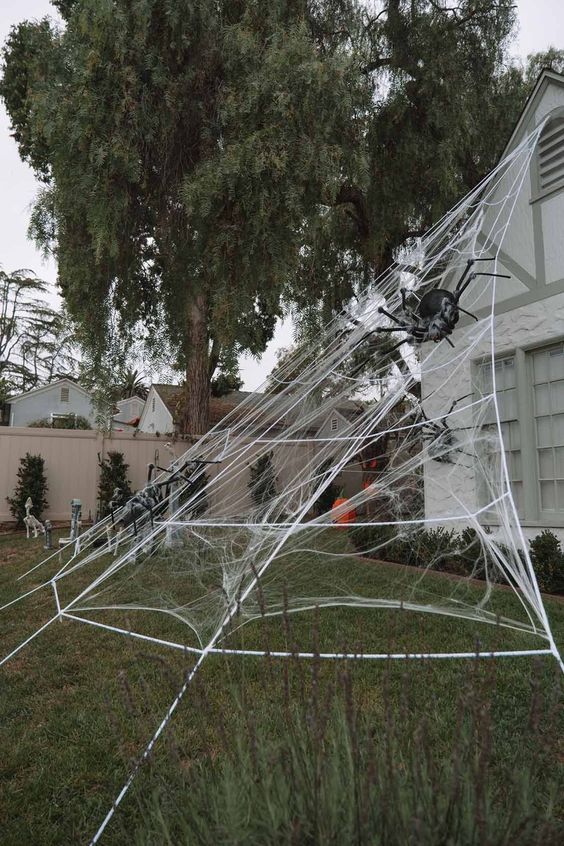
{"x": 540, "y": 366}
{"x": 548, "y": 497}
{"x": 546, "y": 464}
{"x": 556, "y": 364}
{"x": 559, "y": 462}
{"x": 517, "y": 491}
{"x": 516, "y": 471}
{"x": 515, "y": 434}
{"x": 558, "y": 429}
{"x": 560, "y": 493}
{"x": 542, "y": 399}
{"x": 508, "y": 374}
{"x": 544, "y": 432}
{"x": 510, "y": 404}
{"x": 557, "y": 396}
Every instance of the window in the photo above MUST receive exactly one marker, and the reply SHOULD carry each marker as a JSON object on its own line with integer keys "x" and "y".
{"x": 548, "y": 410}
{"x": 334, "y": 424}
{"x": 530, "y": 398}
{"x": 506, "y": 395}
{"x": 64, "y": 394}
{"x": 550, "y": 157}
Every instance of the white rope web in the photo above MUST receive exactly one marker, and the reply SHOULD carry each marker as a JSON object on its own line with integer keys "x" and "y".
{"x": 247, "y": 540}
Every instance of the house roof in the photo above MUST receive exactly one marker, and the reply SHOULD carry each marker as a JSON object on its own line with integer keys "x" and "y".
{"x": 546, "y": 76}
{"x": 45, "y": 388}
{"x": 220, "y": 407}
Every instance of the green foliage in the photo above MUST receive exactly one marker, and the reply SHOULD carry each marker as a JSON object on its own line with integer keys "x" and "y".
{"x": 262, "y": 482}
{"x": 130, "y": 384}
{"x": 548, "y": 561}
{"x": 442, "y": 549}
{"x": 31, "y": 483}
{"x": 113, "y": 474}
{"x": 330, "y": 772}
{"x": 206, "y": 164}
{"x": 183, "y": 146}
{"x": 70, "y": 421}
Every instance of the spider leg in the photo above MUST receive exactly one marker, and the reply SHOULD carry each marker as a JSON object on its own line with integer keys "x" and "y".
{"x": 391, "y": 316}
{"x": 405, "y": 306}
{"x": 469, "y": 313}
{"x": 455, "y": 402}
{"x": 449, "y": 341}
{"x": 400, "y": 328}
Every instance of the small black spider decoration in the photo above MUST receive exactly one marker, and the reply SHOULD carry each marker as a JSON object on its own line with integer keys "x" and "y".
{"x": 437, "y": 311}
{"x": 438, "y": 436}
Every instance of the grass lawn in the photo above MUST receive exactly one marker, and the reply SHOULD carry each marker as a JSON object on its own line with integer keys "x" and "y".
{"x": 78, "y": 704}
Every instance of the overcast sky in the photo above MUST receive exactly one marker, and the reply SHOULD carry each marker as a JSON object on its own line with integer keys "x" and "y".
{"x": 541, "y": 25}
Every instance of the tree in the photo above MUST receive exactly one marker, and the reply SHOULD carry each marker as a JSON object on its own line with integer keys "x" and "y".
{"x": 31, "y": 483}
{"x": 183, "y": 146}
{"x": 230, "y": 158}
{"x": 36, "y": 342}
{"x": 113, "y": 475}
{"x": 131, "y": 384}
{"x": 444, "y": 101}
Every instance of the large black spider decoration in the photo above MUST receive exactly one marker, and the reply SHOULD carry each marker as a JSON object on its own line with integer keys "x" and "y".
{"x": 439, "y": 437}
{"x": 437, "y": 311}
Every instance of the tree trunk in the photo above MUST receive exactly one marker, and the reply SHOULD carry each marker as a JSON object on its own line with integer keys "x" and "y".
{"x": 195, "y": 419}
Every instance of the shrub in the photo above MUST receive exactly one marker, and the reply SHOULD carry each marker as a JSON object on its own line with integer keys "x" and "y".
{"x": 71, "y": 421}
{"x": 113, "y": 474}
{"x": 548, "y": 560}
{"x": 32, "y": 483}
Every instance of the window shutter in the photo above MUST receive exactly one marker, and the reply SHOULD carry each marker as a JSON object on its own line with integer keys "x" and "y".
{"x": 551, "y": 155}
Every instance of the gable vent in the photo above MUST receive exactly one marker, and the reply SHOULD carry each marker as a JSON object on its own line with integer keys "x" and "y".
{"x": 551, "y": 155}
{"x": 64, "y": 394}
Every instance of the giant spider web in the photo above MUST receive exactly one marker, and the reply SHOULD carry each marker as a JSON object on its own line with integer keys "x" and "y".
{"x": 413, "y": 434}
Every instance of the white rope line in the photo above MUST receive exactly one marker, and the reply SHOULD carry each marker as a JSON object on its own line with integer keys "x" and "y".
{"x": 28, "y": 640}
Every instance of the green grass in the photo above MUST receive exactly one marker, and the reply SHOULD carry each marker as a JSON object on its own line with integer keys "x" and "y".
{"x": 78, "y": 704}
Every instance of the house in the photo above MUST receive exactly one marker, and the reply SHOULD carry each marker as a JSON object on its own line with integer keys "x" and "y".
{"x": 529, "y": 333}
{"x": 129, "y": 413}
{"x": 60, "y": 399}
{"x": 163, "y": 405}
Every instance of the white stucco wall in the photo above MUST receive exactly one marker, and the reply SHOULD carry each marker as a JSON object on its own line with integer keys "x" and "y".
{"x": 46, "y": 401}
{"x": 451, "y": 489}
{"x": 157, "y": 420}
{"x": 529, "y": 313}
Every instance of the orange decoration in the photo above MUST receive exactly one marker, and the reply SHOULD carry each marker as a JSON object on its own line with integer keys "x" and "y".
{"x": 341, "y": 516}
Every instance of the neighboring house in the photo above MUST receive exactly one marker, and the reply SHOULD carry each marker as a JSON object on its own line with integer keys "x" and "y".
{"x": 128, "y": 416}
{"x": 529, "y": 332}
{"x": 163, "y": 405}
{"x": 62, "y": 398}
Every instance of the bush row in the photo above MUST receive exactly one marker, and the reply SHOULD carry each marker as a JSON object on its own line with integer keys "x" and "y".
{"x": 463, "y": 554}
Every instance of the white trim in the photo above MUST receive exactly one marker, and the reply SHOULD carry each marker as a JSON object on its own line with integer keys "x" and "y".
{"x": 153, "y": 393}
{"x": 44, "y": 388}
{"x": 545, "y": 79}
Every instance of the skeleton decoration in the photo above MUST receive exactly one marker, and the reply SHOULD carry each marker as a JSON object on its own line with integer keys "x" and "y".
{"x": 32, "y": 524}
{"x": 140, "y": 510}
{"x": 437, "y": 312}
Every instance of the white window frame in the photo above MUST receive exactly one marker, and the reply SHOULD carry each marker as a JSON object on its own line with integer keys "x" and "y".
{"x": 531, "y": 515}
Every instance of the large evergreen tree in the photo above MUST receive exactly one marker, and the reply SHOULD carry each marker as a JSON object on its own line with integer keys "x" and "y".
{"x": 183, "y": 146}
{"x": 207, "y": 163}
